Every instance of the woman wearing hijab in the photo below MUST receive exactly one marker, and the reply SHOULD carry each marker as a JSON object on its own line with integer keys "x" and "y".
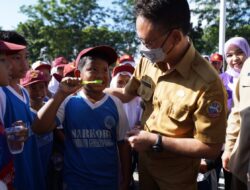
{"x": 236, "y": 51}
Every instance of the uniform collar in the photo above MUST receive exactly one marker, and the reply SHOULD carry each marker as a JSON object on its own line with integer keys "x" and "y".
{"x": 184, "y": 65}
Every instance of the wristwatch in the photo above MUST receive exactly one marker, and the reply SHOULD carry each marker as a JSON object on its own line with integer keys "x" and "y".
{"x": 157, "y": 147}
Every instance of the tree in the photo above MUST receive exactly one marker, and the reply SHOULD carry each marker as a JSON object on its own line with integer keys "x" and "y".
{"x": 237, "y": 21}
{"x": 124, "y": 19}
{"x": 67, "y": 26}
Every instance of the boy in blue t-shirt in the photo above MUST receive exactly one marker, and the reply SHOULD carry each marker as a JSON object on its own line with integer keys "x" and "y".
{"x": 14, "y": 106}
{"x": 35, "y": 83}
{"x": 6, "y": 160}
{"x": 96, "y": 156}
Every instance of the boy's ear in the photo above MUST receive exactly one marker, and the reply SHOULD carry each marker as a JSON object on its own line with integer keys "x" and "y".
{"x": 77, "y": 73}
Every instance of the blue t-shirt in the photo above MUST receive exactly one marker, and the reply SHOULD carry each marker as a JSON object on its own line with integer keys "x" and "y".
{"x": 45, "y": 144}
{"x": 28, "y": 170}
{"x": 91, "y": 158}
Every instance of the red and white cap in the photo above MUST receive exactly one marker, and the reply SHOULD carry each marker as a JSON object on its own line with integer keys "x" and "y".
{"x": 32, "y": 77}
{"x": 8, "y": 47}
{"x": 123, "y": 69}
{"x": 126, "y": 60}
{"x": 216, "y": 57}
{"x": 108, "y": 51}
{"x": 69, "y": 68}
{"x": 59, "y": 62}
{"x": 40, "y": 64}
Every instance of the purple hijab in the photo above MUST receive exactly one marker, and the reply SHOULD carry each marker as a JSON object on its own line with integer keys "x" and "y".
{"x": 240, "y": 42}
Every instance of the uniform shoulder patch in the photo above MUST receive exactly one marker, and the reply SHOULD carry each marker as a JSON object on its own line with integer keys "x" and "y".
{"x": 214, "y": 109}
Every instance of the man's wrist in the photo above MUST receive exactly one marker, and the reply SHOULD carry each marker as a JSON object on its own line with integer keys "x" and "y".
{"x": 157, "y": 146}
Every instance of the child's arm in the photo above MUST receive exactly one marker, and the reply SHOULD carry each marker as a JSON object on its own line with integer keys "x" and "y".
{"x": 45, "y": 120}
{"x": 126, "y": 164}
{"x": 120, "y": 93}
{"x": 123, "y": 146}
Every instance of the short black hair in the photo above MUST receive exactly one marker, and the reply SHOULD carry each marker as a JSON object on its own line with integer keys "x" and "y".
{"x": 13, "y": 37}
{"x": 168, "y": 14}
{"x": 91, "y": 57}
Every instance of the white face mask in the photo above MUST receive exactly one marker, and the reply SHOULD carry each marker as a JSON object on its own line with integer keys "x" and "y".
{"x": 154, "y": 55}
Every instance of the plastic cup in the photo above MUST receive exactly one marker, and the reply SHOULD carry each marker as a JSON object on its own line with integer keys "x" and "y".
{"x": 15, "y": 142}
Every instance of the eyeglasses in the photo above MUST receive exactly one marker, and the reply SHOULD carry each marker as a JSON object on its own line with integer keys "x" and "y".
{"x": 150, "y": 44}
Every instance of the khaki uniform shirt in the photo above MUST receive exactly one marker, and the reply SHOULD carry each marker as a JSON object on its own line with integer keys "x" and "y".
{"x": 187, "y": 102}
{"x": 238, "y": 131}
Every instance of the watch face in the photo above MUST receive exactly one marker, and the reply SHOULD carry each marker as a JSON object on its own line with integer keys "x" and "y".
{"x": 157, "y": 148}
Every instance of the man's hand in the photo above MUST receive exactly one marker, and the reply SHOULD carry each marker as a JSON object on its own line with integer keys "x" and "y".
{"x": 225, "y": 160}
{"x": 141, "y": 140}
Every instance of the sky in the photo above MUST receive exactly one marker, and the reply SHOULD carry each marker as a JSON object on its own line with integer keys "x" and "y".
{"x": 10, "y": 12}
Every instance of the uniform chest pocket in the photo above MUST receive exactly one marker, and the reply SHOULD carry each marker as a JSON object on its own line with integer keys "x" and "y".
{"x": 178, "y": 112}
{"x": 146, "y": 90}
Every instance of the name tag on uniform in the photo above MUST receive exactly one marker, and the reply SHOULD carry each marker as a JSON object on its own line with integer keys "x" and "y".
{"x": 146, "y": 84}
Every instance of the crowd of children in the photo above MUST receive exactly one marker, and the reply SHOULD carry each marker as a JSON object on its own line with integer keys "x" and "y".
{"x": 75, "y": 132}
{"x": 64, "y": 100}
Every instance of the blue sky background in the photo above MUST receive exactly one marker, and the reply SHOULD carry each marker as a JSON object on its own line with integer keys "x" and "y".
{"x": 10, "y": 14}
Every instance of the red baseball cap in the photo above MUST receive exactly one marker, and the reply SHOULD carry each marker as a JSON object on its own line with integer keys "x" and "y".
{"x": 216, "y": 57}
{"x": 126, "y": 57}
{"x": 123, "y": 68}
{"x": 33, "y": 76}
{"x": 8, "y": 47}
{"x": 40, "y": 64}
{"x": 108, "y": 51}
{"x": 59, "y": 62}
{"x": 69, "y": 68}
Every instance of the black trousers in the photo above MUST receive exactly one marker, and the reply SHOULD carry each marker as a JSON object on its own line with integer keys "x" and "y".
{"x": 237, "y": 184}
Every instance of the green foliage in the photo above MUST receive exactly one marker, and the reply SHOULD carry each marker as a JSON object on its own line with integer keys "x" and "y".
{"x": 65, "y": 25}
{"x": 237, "y": 22}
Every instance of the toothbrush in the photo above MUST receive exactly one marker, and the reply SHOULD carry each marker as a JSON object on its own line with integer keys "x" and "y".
{"x": 92, "y": 82}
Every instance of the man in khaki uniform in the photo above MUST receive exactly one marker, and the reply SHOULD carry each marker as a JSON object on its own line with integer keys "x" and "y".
{"x": 236, "y": 157}
{"x": 184, "y": 102}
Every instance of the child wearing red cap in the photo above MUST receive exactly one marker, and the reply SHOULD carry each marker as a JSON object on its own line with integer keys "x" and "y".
{"x": 36, "y": 85}
{"x": 57, "y": 73}
{"x": 14, "y": 106}
{"x": 126, "y": 60}
{"x": 95, "y": 125}
{"x": 69, "y": 70}
{"x": 45, "y": 68}
{"x": 216, "y": 60}
{"x": 120, "y": 77}
{"x": 6, "y": 161}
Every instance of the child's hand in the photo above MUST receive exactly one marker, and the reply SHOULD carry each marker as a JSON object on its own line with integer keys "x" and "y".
{"x": 70, "y": 85}
{"x": 21, "y": 131}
